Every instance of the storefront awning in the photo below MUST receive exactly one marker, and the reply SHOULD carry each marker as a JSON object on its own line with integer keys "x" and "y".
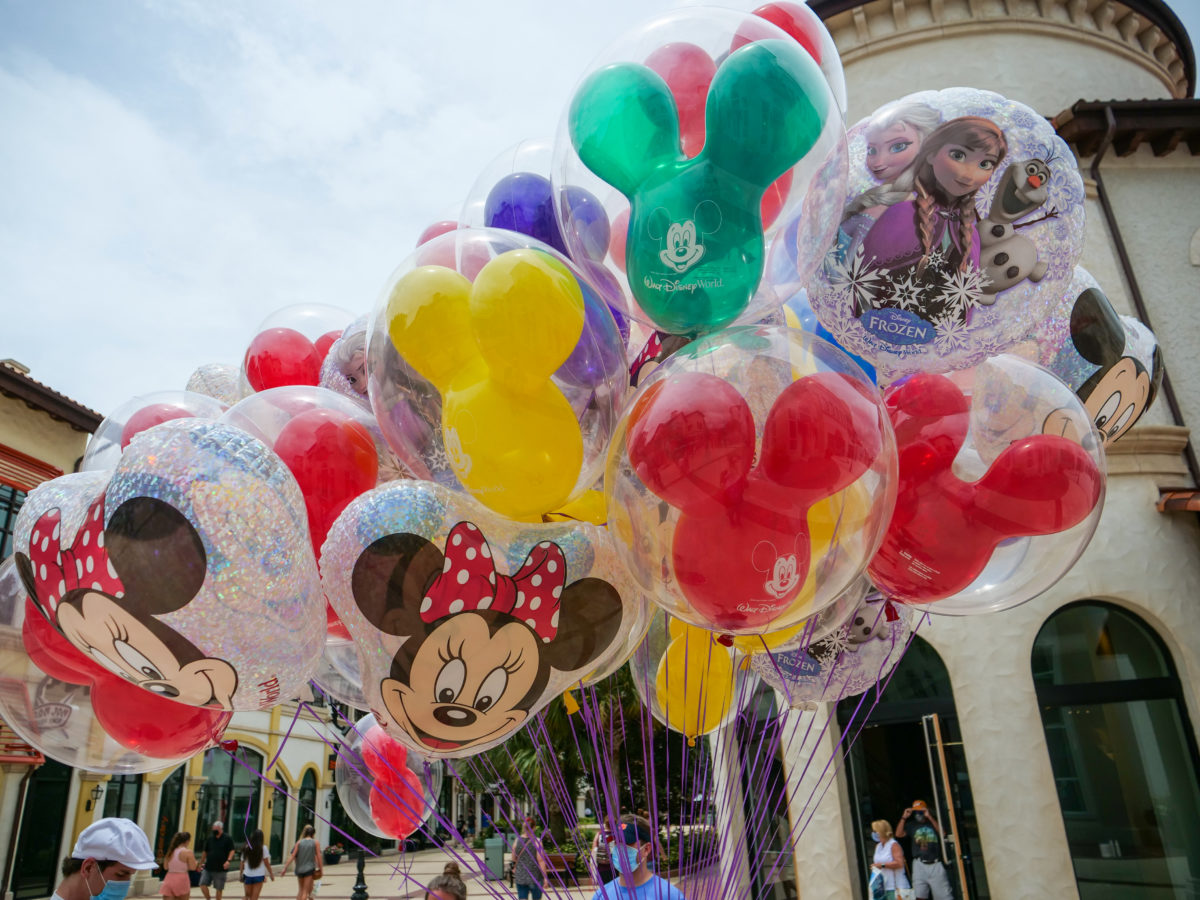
{"x": 15, "y": 750}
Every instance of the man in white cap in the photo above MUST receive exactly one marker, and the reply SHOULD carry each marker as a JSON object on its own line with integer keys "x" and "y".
{"x": 102, "y": 864}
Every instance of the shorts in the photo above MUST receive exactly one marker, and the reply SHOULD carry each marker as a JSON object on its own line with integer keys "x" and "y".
{"x": 308, "y": 873}
{"x": 253, "y": 879}
{"x": 216, "y": 879}
{"x": 525, "y": 891}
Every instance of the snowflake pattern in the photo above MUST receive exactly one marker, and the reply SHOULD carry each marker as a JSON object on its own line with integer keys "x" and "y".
{"x": 937, "y": 259}
{"x": 830, "y": 649}
{"x": 962, "y": 290}
{"x": 908, "y": 292}
{"x": 951, "y": 334}
{"x": 856, "y": 280}
{"x": 439, "y": 461}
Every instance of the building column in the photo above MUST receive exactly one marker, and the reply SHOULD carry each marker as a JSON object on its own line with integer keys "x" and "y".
{"x": 731, "y": 822}
{"x": 813, "y": 757}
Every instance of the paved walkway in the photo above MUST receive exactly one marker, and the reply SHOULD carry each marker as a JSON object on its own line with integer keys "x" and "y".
{"x": 398, "y": 877}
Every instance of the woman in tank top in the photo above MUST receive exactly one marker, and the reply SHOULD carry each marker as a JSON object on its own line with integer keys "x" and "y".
{"x": 307, "y": 857}
{"x": 178, "y": 861}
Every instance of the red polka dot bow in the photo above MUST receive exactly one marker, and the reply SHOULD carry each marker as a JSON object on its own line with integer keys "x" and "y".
{"x": 470, "y": 582}
{"x": 85, "y": 565}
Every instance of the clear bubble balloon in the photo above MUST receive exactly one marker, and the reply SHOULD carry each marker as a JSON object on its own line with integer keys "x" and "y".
{"x": 994, "y": 503}
{"x": 858, "y": 654}
{"x": 688, "y": 680}
{"x": 195, "y": 551}
{"x": 750, "y": 480}
{"x": 961, "y": 227}
{"x": 340, "y": 674}
{"x": 135, "y": 416}
{"x": 501, "y": 376}
{"x": 385, "y": 788}
{"x": 49, "y": 691}
{"x": 220, "y": 381}
{"x": 699, "y": 154}
{"x": 1113, "y": 363}
{"x": 290, "y": 345}
{"x": 413, "y": 568}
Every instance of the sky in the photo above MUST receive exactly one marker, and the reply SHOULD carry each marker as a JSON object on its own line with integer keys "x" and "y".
{"x": 176, "y": 171}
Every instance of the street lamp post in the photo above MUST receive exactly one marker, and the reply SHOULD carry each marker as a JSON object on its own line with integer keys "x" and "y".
{"x": 360, "y": 886}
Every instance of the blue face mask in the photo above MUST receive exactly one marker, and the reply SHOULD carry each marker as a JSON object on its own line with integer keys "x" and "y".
{"x": 875, "y": 836}
{"x": 625, "y": 859}
{"x": 112, "y": 890}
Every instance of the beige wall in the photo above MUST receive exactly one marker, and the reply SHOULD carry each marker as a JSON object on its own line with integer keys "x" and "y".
{"x": 36, "y": 434}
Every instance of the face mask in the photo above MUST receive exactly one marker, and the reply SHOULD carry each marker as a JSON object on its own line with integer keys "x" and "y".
{"x": 919, "y": 817}
{"x": 875, "y": 836}
{"x": 625, "y": 859}
{"x": 112, "y": 890}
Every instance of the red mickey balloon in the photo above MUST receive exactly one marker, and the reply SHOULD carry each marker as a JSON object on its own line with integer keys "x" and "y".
{"x": 688, "y": 71}
{"x": 334, "y": 460}
{"x": 944, "y": 530}
{"x": 279, "y": 357}
{"x": 397, "y": 795}
{"x": 741, "y": 548}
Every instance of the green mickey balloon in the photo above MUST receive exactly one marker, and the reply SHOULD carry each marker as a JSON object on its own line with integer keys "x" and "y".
{"x": 694, "y": 253}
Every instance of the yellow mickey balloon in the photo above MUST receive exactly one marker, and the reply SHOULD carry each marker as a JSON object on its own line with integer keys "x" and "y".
{"x": 694, "y": 683}
{"x": 490, "y": 349}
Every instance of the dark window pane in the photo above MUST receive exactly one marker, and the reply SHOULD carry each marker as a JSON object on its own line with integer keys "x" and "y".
{"x": 1095, "y": 642}
{"x": 1120, "y": 747}
{"x": 10, "y": 504}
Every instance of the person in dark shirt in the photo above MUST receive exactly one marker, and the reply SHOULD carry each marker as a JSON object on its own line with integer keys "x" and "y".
{"x": 929, "y": 878}
{"x": 218, "y": 851}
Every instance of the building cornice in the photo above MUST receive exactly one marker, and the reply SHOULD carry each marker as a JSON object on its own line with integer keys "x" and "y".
{"x": 16, "y": 384}
{"x": 1161, "y": 124}
{"x": 1145, "y": 32}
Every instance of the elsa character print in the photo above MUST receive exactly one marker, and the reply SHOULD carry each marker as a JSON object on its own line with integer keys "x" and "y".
{"x": 922, "y": 242}
{"x": 894, "y": 137}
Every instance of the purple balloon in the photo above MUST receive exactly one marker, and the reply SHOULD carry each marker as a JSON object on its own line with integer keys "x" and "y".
{"x": 589, "y": 221}
{"x": 523, "y": 202}
{"x": 599, "y": 356}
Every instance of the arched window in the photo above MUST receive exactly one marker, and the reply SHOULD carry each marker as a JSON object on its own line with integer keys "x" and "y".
{"x": 121, "y": 796}
{"x": 1123, "y": 753}
{"x": 231, "y": 793}
{"x": 307, "y": 801}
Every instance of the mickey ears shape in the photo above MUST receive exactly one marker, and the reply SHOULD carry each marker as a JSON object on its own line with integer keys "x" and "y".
{"x": 1096, "y": 330}
{"x": 390, "y": 578}
{"x": 157, "y": 553}
{"x": 765, "y": 110}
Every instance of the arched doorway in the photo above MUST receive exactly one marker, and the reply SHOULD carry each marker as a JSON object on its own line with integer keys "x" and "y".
{"x": 909, "y": 748}
{"x": 231, "y": 793}
{"x": 37, "y": 858}
{"x": 170, "y": 802}
{"x": 1123, "y": 753}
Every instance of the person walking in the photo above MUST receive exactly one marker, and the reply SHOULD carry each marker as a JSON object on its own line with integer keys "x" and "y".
{"x": 307, "y": 857}
{"x": 178, "y": 861}
{"x": 888, "y": 862}
{"x": 256, "y": 865}
{"x": 447, "y": 886}
{"x": 102, "y": 864}
{"x": 930, "y": 881}
{"x": 529, "y": 862}
{"x": 218, "y": 852}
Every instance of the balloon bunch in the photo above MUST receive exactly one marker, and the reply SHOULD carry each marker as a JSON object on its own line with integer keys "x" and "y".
{"x": 454, "y": 508}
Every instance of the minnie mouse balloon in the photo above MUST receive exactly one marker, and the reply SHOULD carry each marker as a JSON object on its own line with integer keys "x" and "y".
{"x": 51, "y": 686}
{"x": 994, "y": 504}
{"x": 468, "y": 623}
{"x": 1113, "y": 363}
{"x": 750, "y": 479}
{"x": 716, "y": 149}
{"x": 961, "y": 227}
{"x": 189, "y": 574}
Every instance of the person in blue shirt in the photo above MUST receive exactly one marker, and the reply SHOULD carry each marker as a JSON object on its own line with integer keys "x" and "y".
{"x": 631, "y": 850}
